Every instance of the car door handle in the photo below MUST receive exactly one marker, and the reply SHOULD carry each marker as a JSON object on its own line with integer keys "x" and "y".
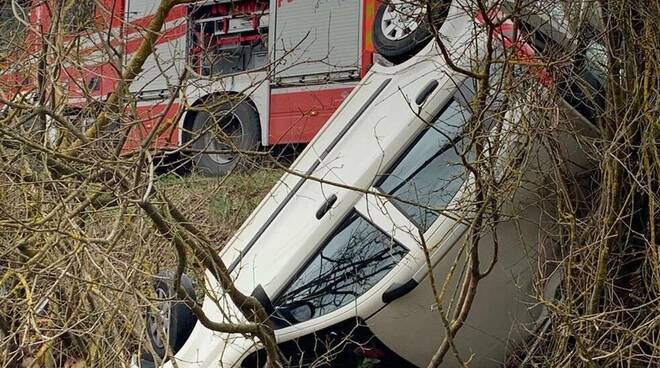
{"x": 326, "y": 206}
{"x": 396, "y": 290}
{"x": 426, "y": 91}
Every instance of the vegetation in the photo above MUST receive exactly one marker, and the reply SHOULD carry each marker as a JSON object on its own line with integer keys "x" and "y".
{"x": 86, "y": 224}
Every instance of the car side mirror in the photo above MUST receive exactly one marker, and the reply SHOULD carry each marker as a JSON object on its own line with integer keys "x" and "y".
{"x": 298, "y": 312}
{"x": 303, "y": 312}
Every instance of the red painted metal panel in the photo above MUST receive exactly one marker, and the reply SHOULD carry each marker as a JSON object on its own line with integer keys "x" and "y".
{"x": 368, "y": 14}
{"x": 295, "y": 117}
{"x": 152, "y": 117}
{"x": 107, "y": 14}
{"x": 514, "y": 41}
{"x": 138, "y": 25}
{"x": 111, "y": 12}
{"x": 169, "y": 35}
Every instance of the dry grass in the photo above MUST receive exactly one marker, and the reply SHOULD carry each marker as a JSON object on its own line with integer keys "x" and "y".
{"x": 108, "y": 314}
{"x": 220, "y": 205}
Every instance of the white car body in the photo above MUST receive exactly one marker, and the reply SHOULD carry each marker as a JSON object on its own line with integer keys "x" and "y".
{"x": 367, "y": 135}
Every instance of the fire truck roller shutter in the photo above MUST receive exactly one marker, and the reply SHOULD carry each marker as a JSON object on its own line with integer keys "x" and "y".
{"x": 224, "y": 130}
{"x": 401, "y": 28}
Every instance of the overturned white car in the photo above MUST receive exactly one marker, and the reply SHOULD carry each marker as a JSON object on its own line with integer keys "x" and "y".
{"x": 339, "y": 252}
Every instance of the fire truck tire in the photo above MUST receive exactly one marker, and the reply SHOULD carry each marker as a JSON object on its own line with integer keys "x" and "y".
{"x": 401, "y": 30}
{"x": 238, "y": 123}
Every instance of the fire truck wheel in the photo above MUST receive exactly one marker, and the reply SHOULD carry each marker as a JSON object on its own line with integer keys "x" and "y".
{"x": 170, "y": 321}
{"x": 401, "y": 28}
{"x": 229, "y": 128}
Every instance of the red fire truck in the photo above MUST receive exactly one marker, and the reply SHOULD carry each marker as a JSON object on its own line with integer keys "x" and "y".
{"x": 264, "y": 72}
{"x": 287, "y": 65}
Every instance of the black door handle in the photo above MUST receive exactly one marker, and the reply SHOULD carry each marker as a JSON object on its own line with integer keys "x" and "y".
{"x": 326, "y": 206}
{"x": 426, "y": 91}
{"x": 396, "y": 290}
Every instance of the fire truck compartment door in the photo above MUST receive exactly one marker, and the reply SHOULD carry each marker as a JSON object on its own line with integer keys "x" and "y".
{"x": 310, "y": 38}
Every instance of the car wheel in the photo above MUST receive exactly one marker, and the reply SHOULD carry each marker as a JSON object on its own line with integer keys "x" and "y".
{"x": 170, "y": 321}
{"x": 223, "y": 128}
{"x": 401, "y": 28}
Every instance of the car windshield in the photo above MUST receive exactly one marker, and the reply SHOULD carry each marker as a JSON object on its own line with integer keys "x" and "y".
{"x": 428, "y": 174}
{"x": 353, "y": 259}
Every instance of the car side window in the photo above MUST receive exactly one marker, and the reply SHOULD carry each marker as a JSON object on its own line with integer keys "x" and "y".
{"x": 428, "y": 174}
{"x": 585, "y": 88}
{"x": 354, "y": 258}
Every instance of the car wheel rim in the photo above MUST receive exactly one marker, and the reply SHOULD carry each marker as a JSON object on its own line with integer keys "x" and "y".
{"x": 159, "y": 322}
{"x": 400, "y": 19}
{"x": 231, "y": 128}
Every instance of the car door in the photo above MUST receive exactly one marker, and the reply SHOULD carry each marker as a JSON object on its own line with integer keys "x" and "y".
{"x": 371, "y": 250}
{"x": 427, "y": 183}
{"x": 318, "y": 315}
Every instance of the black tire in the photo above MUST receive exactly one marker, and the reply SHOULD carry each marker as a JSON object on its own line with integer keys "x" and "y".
{"x": 239, "y": 122}
{"x": 396, "y": 39}
{"x": 180, "y": 319}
